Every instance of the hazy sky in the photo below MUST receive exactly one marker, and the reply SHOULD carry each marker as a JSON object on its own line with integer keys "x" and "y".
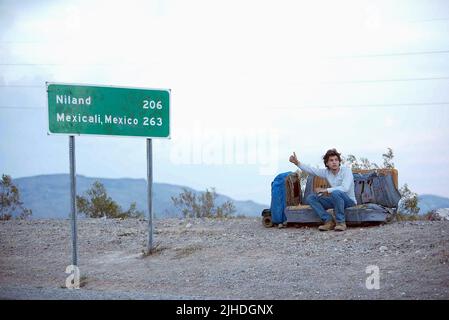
{"x": 251, "y": 82}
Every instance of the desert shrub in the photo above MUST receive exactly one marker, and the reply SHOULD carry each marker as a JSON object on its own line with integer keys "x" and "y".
{"x": 97, "y": 204}
{"x": 202, "y": 205}
{"x": 10, "y": 204}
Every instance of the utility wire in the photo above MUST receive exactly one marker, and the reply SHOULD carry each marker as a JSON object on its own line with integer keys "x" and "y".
{"x": 311, "y": 82}
{"x": 58, "y": 41}
{"x": 384, "y": 80}
{"x": 21, "y": 86}
{"x": 60, "y": 64}
{"x": 429, "y": 20}
{"x": 393, "y": 54}
{"x": 19, "y": 107}
{"x": 308, "y": 106}
{"x": 374, "y": 105}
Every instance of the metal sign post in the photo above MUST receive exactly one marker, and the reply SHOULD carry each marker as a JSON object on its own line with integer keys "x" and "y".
{"x": 73, "y": 199}
{"x": 150, "y": 195}
{"x": 82, "y": 109}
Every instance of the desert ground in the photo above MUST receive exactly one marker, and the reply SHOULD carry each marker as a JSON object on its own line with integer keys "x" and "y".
{"x": 233, "y": 258}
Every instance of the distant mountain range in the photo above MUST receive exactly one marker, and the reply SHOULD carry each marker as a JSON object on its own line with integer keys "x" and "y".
{"x": 49, "y": 195}
{"x": 428, "y": 202}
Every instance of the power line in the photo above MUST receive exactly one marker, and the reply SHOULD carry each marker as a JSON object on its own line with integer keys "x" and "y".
{"x": 19, "y": 107}
{"x": 312, "y": 82}
{"x": 429, "y": 20}
{"x": 308, "y": 106}
{"x": 373, "y": 55}
{"x": 21, "y": 86}
{"x": 56, "y": 42}
{"x": 367, "y": 105}
{"x": 384, "y": 80}
{"x": 391, "y": 54}
{"x": 59, "y": 64}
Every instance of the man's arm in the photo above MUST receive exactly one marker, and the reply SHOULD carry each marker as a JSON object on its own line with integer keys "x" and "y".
{"x": 317, "y": 172}
{"x": 310, "y": 170}
{"x": 348, "y": 179}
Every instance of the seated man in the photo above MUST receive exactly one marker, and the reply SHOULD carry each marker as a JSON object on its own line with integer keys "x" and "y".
{"x": 341, "y": 194}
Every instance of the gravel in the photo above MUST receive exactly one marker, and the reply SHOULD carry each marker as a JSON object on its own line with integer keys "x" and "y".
{"x": 223, "y": 259}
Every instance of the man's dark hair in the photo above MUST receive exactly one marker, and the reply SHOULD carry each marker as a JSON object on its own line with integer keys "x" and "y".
{"x": 330, "y": 153}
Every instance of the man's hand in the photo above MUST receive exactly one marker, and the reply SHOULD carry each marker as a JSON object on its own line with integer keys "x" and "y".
{"x": 321, "y": 190}
{"x": 293, "y": 159}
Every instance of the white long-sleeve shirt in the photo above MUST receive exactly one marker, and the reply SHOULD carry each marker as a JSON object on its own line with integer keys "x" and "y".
{"x": 343, "y": 180}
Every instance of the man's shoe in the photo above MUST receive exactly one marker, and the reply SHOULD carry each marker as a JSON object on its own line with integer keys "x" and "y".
{"x": 327, "y": 226}
{"x": 340, "y": 226}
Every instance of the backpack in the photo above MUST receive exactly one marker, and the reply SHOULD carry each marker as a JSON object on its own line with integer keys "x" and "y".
{"x": 293, "y": 190}
{"x": 363, "y": 189}
{"x": 309, "y": 188}
{"x": 376, "y": 188}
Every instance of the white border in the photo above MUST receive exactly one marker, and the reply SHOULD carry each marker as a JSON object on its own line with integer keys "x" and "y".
{"x": 105, "y": 135}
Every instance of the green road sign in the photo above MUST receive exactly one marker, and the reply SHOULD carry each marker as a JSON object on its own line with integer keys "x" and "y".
{"x": 101, "y": 110}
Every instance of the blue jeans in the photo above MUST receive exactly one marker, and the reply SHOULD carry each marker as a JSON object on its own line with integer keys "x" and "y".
{"x": 337, "y": 200}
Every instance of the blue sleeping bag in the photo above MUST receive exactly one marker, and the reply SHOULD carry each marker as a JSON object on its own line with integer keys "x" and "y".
{"x": 278, "y": 198}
